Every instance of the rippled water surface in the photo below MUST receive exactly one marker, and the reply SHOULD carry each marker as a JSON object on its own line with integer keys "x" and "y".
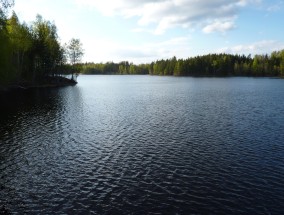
{"x": 144, "y": 145}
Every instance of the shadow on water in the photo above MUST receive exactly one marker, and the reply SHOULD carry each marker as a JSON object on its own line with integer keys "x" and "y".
{"x": 16, "y": 105}
{"x": 19, "y": 103}
{"x": 24, "y": 114}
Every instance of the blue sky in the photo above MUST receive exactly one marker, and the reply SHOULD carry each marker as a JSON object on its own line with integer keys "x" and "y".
{"x": 142, "y": 31}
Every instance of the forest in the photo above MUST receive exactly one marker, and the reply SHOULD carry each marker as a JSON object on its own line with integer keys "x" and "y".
{"x": 208, "y": 65}
{"x": 33, "y": 53}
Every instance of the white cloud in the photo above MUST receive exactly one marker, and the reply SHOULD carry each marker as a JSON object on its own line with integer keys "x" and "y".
{"x": 221, "y": 26}
{"x": 211, "y": 16}
{"x": 142, "y": 53}
{"x": 141, "y": 30}
{"x": 260, "y": 47}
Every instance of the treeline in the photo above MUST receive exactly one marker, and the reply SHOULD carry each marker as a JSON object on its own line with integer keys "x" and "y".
{"x": 222, "y": 65}
{"x": 207, "y": 65}
{"x": 110, "y": 68}
{"x": 32, "y": 52}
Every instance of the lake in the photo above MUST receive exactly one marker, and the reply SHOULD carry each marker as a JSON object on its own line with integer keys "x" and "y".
{"x": 144, "y": 145}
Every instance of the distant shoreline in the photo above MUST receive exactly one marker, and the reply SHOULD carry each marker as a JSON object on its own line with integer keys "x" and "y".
{"x": 192, "y": 76}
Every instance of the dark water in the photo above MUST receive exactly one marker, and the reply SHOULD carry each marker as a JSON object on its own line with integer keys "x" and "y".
{"x": 144, "y": 145}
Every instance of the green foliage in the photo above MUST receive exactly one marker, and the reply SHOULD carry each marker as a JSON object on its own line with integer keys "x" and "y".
{"x": 32, "y": 53}
{"x": 4, "y": 7}
{"x": 122, "y": 68}
{"x": 5, "y": 53}
{"x": 75, "y": 51}
{"x": 46, "y": 53}
{"x": 21, "y": 42}
{"x": 5, "y": 46}
{"x": 208, "y": 65}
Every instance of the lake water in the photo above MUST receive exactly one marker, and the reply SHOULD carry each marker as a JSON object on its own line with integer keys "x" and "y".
{"x": 144, "y": 145}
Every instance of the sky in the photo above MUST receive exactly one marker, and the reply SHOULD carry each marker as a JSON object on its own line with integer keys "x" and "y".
{"x": 142, "y": 31}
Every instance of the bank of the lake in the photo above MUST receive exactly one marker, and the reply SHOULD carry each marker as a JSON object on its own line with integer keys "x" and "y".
{"x": 48, "y": 82}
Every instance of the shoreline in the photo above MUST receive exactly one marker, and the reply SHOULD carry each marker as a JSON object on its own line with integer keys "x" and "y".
{"x": 50, "y": 82}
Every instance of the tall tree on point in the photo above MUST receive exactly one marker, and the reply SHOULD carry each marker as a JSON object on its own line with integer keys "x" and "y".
{"x": 75, "y": 53}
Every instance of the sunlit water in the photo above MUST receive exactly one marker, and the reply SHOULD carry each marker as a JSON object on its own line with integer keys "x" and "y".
{"x": 144, "y": 145}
